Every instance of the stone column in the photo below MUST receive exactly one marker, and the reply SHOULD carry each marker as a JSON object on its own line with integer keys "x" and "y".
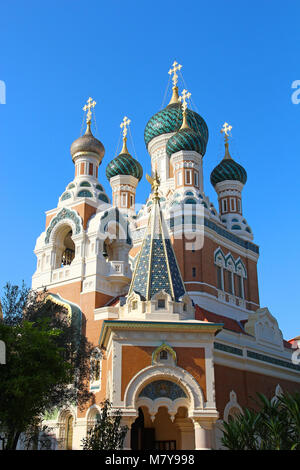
{"x": 185, "y": 427}
{"x": 203, "y": 435}
{"x": 127, "y": 421}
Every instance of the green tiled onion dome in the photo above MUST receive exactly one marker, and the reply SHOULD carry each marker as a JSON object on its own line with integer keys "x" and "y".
{"x": 186, "y": 139}
{"x": 169, "y": 120}
{"x": 228, "y": 169}
{"x": 124, "y": 164}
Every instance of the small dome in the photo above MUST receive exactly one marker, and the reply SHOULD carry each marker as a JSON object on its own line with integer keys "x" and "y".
{"x": 170, "y": 119}
{"x": 228, "y": 169}
{"x": 186, "y": 139}
{"x": 124, "y": 164}
{"x": 88, "y": 143}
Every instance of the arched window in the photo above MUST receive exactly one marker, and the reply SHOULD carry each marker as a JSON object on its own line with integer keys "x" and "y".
{"x": 103, "y": 198}
{"x": 229, "y": 281}
{"x": 84, "y": 193}
{"x": 163, "y": 355}
{"x": 233, "y": 412}
{"x": 65, "y": 196}
{"x": 93, "y": 418}
{"x": 190, "y": 201}
{"x": 64, "y": 247}
{"x": 95, "y": 375}
{"x": 85, "y": 183}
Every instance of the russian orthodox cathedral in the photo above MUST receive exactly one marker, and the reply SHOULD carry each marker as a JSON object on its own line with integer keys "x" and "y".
{"x": 167, "y": 294}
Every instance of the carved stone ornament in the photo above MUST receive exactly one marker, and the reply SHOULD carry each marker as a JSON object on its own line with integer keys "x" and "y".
{"x": 64, "y": 214}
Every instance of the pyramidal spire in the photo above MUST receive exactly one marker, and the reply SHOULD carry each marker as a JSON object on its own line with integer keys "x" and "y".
{"x": 156, "y": 268}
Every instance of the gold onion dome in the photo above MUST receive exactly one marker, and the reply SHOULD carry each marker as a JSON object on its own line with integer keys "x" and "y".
{"x": 88, "y": 143}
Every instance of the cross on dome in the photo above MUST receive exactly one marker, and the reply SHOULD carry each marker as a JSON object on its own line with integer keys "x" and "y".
{"x": 124, "y": 125}
{"x": 90, "y": 104}
{"x": 173, "y": 70}
{"x": 185, "y": 95}
{"x": 225, "y": 130}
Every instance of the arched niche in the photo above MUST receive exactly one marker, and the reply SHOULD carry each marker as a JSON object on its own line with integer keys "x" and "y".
{"x": 64, "y": 246}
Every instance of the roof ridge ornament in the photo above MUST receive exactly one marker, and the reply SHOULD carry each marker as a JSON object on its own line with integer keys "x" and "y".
{"x": 155, "y": 183}
{"x": 173, "y": 71}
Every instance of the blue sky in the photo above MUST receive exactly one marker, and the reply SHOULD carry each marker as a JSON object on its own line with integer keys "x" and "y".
{"x": 239, "y": 61}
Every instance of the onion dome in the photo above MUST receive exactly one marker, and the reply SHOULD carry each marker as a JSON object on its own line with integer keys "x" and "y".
{"x": 124, "y": 164}
{"x": 186, "y": 139}
{"x": 170, "y": 119}
{"x": 228, "y": 169}
{"x": 88, "y": 143}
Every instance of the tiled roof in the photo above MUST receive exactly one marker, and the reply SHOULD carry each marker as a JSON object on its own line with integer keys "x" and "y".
{"x": 229, "y": 323}
{"x": 113, "y": 302}
{"x": 156, "y": 268}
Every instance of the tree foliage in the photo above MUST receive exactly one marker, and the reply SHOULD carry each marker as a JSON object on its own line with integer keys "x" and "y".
{"x": 47, "y": 362}
{"x": 275, "y": 426}
{"x": 108, "y": 433}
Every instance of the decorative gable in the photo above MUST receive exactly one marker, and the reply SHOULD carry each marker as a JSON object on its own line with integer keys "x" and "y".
{"x": 264, "y": 327}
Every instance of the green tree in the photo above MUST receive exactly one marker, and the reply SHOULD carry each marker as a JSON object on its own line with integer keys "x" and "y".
{"x": 108, "y": 433}
{"x": 47, "y": 361}
{"x": 274, "y": 426}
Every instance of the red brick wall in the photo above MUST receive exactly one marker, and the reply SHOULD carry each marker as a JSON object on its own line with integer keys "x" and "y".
{"x": 245, "y": 384}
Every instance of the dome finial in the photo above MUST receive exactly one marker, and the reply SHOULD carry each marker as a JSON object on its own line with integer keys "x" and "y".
{"x": 185, "y": 95}
{"x": 90, "y": 104}
{"x": 225, "y": 130}
{"x": 123, "y": 126}
{"x": 173, "y": 71}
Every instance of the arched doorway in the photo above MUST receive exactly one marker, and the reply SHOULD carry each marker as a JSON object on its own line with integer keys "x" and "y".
{"x": 172, "y": 403}
{"x": 162, "y": 431}
{"x": 66, "y": 424}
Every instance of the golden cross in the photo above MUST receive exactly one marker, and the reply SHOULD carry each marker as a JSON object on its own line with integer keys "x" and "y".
{"x": 173, "y": 71}
{"x": 124, "y": 125}
{"x": 226, "y": 129}
{"x": 185, "y": 95}
{"x": 90, "y": 104}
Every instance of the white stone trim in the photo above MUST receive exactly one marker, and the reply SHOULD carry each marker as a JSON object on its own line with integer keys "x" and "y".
{"x": 175, "y": 374}
{"x": 231, "y": 404}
